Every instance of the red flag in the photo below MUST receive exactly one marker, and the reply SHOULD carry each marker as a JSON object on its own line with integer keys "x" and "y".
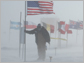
{"x": 69, "y": 31}
{"x": 30, "y": 25}
{"x": 51, "y": 28}
{"x": 62, "y": 23}
{"x": 66, "y": 27}
{"x": 61, "y": 31}
{"x": 61, "y": 27}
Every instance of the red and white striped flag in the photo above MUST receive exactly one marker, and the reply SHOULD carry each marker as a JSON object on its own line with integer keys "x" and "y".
{"x": 30, "y": 25}
{"x": 39, "y": 7}
{"x": 61, "y": 27}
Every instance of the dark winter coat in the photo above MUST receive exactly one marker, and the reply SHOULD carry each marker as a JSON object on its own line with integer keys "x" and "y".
{"x": 43, "y": 31}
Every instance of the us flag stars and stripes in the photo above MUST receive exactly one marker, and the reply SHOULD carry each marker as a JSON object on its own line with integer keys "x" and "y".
{"x": 39, "y": 7}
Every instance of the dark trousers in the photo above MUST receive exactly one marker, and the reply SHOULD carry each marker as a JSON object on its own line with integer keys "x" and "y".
{"x": 42, "y": 52}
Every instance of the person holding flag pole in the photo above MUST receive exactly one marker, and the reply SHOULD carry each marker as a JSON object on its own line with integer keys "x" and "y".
{"x": 42, "y": 36}
{"x": 36, "y": 8}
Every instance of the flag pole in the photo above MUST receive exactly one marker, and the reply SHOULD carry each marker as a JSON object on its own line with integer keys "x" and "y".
{"x": 50, "y": 37}
{"x": 9, "y": 32}
{"x": 67, "y": 40}
{"x": 25, "y": 36}
{"x": 76, "y": 35}
{"x": 56, "y": 29}
{"x": 59, "y": 41}
{"x": 20, "y": 35}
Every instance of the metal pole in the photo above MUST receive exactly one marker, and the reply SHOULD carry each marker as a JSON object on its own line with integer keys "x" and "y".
{"x": 55, "y": 50}
{"x": 50, "y": 36}
{"x": 9, "y": 32}
{"x": 20, "y": 35}
{"x": 25, "y": 36}
{"x": 22, "y": 50}
{"x": 59, "y": 41}
{"x": 67, "y": 40}
{"x": 56, "y": 29}
{"x": 83, "y": 32}
{"x": 76, "y": 35}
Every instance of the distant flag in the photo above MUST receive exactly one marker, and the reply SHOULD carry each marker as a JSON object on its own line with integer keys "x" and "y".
{"x": 61, "y": 27}
{"x": 48, "y": 27}
{"x": 51, "y": 28}
{"x": 69, "y": 31}
{"x": 66, "y": 27}
{"x": 80, "y": 25}
{"x": 73, "y": 24}
{"x": 39, "y": 7}
{"x": 30, "y": 25}
{"x": 14, "y": 25}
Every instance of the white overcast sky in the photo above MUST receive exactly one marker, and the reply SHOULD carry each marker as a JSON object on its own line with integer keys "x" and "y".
{"x": 64, "y": 10}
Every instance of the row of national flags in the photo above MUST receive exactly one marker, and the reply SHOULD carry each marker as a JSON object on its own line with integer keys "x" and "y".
{"x": 62, "y": 27}
{"x": 31, "y": 25}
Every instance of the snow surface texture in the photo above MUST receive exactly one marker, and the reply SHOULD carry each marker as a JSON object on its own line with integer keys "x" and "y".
{"x": 72, "y": 53}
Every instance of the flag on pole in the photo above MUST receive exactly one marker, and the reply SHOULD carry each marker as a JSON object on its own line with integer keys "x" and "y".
{"x": 48, "y": 27}
{"x": 80, "y": 25}
{"x": 66, "y": 27}
{"x": 61, "y": 27}
{"x": 51, "y": 28}
{"x": 14, "y": 25}
{"x": 39, "y": 7}
{"x": 76, "y": 25}
{"x": 30, "y": 25}
{"x": 69, "y": 31}
{"x": 73, "y": 24}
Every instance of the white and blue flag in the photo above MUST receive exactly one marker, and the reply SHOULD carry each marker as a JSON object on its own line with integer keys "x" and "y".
{"x": 14, "y": 25}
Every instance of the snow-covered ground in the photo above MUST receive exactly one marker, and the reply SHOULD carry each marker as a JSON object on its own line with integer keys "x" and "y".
{"x": 72, "y": 53}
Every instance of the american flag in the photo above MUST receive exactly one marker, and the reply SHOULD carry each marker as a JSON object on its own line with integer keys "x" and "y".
{"x": 39, "y": 7}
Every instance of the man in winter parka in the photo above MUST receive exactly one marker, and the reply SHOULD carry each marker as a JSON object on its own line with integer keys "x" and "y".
{"x": 42, "y": 36}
